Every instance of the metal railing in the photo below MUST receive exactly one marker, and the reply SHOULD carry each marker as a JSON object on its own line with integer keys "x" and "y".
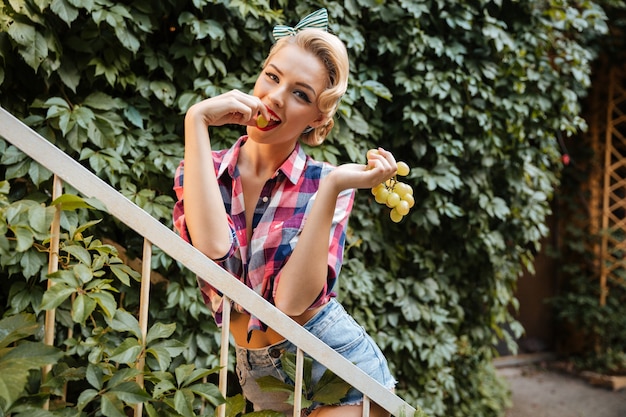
{"x": 68, "y": 170}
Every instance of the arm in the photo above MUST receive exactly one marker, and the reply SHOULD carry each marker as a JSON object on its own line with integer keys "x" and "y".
{"x": 305, "y": 273}
{"x": 205, "y": 214}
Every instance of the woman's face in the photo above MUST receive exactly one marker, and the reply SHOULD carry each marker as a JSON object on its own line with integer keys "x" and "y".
{"x": 289, "y": 85}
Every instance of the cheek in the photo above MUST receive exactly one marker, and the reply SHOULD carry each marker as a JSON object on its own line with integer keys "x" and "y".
{"x": 260, "y": 86}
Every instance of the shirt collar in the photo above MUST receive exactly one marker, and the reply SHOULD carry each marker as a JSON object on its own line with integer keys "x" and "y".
{"x": 292, "y": 168}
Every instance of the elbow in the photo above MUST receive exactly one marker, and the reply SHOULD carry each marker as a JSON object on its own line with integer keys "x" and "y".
{"x": 217, "y": 254}
{"x": 288, "y": 306}
{"x": 213, "y": 248}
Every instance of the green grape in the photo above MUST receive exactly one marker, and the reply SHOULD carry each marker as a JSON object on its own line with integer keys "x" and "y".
{"x": 371, "y": 153}
{"x": 392, "y": 199}
{"x": 261, "y": 121}
{"x": 378, "y": 187}
{"x": 395, "y": 216}
{"x": 381, "y": 195}
{"x": 402, "y": 207}
{"x": 402, "y": 189}
{"x": 409, "y": 199}
{"x": 396, "y": 195}
{"x": 403, "y": 169}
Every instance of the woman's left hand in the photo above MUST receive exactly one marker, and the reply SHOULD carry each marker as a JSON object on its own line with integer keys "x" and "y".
{"x": 381, "y": 166}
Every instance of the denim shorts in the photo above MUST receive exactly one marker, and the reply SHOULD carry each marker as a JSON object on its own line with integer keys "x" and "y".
{"x": 334, "y": 326}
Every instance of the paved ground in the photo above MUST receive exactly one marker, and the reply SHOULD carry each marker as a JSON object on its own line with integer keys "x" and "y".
{"x": 538, "y": 392}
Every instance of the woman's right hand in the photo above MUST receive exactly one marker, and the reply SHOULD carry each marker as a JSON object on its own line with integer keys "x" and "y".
{"x": 233, "y": 107}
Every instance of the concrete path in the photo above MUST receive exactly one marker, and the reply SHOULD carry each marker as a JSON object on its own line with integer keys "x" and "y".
{"x": 539, "y": 392}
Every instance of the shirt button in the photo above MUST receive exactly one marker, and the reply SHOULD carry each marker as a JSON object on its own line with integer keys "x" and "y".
{"x": 265, "y": 199}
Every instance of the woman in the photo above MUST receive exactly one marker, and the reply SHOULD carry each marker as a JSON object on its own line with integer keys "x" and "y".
{"x": 275, "y": 218}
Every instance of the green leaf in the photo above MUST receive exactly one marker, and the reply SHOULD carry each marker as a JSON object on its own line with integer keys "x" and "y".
{"x": 127, "y": 38}
{"x": 40, "y": 217}
{"x": 209, "y": 392}
{"x": 25, "y": 238}
{"x": 164, "y": 91}
{"x": 161, "y": 355}
{"x": 271, "y": 383}
{"x": 13, "y": 380}
{"x": 101, "y": 101}
{"x": 70, "y": 202}
{"x": 131, "y": 393}
{"x": 121, "y": 376}
{"x": 183, "y": 402}
{"x": 82, "y": 307}
{"x": 79, "y": 253}
{"x": 36, "y": 52}
{"x": 183, "y": 372}
{"x": 330, "y": 389}
{"x": 79, "y": 230}
{"x": 128, "y": 352}
{"x": 85, "y": 398}
{"x": 95, "y": 376}
{"x": 38, "y": 173}
{"x": 16, "y": 364}
{"x": 111, "y": 405}
{"x": 123, "y": 272}
{"x": 4, "y": 187}
{"x": 32, "y": 263}
{"x": 160, "y": 331}
{"x": 289, "y": 366}
{"x": 83, "y": 273}
{"x": 55, "y": 295}
{"x": 106, "y": 301}
{"x": 64, "y": 10}
{"x": 134, "y": 116}
{"x": 162, "y": 388}
{"x": 125, "y": 322}
{"x": 69, "y": 74}
{"x": 235, "y": 405}
{"x": 19, "y": 326}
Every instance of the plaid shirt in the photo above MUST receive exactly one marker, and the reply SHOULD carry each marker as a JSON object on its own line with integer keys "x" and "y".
{"x": 281, "y": 212}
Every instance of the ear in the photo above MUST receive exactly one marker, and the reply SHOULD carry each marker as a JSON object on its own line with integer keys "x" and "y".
{"x": 321, "y": 120}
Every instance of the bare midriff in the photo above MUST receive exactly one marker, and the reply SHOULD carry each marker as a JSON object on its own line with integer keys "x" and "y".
{"x": 260, "y": 339}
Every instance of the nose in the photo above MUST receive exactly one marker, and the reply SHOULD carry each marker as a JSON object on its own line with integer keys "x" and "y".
{"x": 277, "y": 95}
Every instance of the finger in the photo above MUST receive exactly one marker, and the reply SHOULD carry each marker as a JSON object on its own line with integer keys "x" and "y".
{"x": 247, "y": 107}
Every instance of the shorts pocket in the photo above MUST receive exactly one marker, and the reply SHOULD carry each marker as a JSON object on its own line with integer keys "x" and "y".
{"x": 343, "y": 334}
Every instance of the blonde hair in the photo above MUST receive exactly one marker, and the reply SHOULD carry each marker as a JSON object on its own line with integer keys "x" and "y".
{"x": 332, "y": 52}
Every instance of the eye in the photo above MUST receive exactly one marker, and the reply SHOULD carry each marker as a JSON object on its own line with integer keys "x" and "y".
{"x": 272, "y": 76}
{"x": 301, "y": 94}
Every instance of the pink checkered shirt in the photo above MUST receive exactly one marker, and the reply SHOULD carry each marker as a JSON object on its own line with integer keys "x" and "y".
{"x": 280, "y": 214}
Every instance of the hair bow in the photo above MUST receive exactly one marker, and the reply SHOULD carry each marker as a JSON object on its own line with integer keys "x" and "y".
{"x": 316, "y": 20}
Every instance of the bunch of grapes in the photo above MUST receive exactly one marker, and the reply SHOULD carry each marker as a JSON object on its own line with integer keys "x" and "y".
{"x": 396, "y": 195}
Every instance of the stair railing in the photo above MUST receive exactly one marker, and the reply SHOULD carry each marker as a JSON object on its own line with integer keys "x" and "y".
{"x": 155, "y": 233}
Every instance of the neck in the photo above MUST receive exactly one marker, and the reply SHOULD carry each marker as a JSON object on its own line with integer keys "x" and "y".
{"x": 263, "y": 160}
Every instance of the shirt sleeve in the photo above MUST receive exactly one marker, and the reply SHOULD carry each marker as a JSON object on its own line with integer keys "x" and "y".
{"x": 178, "y": 213}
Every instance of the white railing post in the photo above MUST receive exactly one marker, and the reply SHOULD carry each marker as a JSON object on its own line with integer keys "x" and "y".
{"x": 366, "y": 406}
{"x": 225, "y": 344}
{"x": 144, "y": 304}
{"x": 53, "y": 266}
{"x": 297, "y": 392}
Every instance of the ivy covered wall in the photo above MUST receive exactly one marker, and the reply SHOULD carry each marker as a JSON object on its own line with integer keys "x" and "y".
{"x": 471, "y": 94}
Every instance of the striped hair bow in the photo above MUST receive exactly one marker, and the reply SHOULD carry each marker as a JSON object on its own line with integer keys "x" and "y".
{"x": 316, "y": 20}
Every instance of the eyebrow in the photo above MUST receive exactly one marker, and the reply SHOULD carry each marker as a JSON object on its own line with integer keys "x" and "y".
{"x": 301, "y": 84}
